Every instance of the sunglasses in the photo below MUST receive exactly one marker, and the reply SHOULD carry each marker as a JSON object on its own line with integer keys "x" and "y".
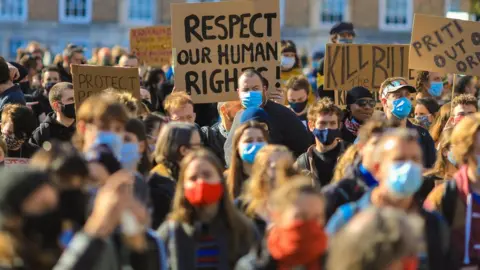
{"x": 366, "y": 102}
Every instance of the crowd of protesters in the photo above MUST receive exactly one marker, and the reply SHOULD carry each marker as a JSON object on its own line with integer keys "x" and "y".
{"x": 276, "y": 180}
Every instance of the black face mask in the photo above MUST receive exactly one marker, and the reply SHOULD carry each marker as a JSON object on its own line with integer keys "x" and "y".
{"x": 73, "y": 206}
{"x": 69, "y": 110}
{"x": 25, "y": 86}
{"x": 44, "y": 229}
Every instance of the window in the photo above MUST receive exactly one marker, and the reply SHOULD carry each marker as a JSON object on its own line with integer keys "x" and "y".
{"x": 396, "y": 15}
{"x": 141, "y": 11}
{"x": 75, "y": 11}
{"x": 453, "y": 5}
{"x": 332, "y": 11}
{"x": 453, "y": 10}
{"x": 13, "y": 10}
{"x": 14, "y": 44}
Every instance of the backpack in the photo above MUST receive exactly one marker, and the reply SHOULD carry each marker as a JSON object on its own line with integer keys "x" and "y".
{"x": 449, "y": 201}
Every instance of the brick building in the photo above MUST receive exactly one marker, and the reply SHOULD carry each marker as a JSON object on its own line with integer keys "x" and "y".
{"x": 94, "y": 23}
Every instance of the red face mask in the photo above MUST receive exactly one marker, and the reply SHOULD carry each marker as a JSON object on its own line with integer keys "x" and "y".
{"x": 202, "y": 193}
{"x": 301, "y": 243}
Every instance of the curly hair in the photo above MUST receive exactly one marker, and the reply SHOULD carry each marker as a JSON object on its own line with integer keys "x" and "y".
{"x": 422, "y": 80}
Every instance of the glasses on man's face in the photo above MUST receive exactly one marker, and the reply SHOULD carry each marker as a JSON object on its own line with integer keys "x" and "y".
{"x": 366, "y": 102}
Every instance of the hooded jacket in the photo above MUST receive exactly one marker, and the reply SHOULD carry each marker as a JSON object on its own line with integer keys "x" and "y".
{"x": 12, "y": 95}
{"x": 52, "y": 129}
{"x": 456, "y": 202}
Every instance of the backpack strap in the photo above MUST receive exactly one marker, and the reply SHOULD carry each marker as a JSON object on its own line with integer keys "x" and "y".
{"x": 449, "y": 201}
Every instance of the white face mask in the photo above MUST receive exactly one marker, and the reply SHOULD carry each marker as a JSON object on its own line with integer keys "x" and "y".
{"x": 287, "y": 62}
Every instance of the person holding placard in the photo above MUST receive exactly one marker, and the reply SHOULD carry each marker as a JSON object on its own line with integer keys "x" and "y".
{"x": 394, "y": 94}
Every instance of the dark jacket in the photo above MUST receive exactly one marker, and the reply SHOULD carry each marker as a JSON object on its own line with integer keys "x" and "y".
{"x": 215, "y": 139}
{"x": 162, "y": 191}
{"x": 285, "y": 129}
{"x": 26, "y": 151}
{"x": 181, "y": 242}
{"x": 64, "y": 75}
{"x": 12, "y": 95}
{"x": 207, "y": 114}
{"x": 51, "y": 129}
{"x": 426, "y": 143}
{"x": 260, "y": 223}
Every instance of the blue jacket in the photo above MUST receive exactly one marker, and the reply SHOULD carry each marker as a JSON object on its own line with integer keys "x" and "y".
{"x": 12, "y": 95}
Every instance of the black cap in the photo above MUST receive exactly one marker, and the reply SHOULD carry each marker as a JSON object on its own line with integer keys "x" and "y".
{"x": 342, "y": 27}
{"x": 16, "y": 185}
{"x": 357, "y": 93}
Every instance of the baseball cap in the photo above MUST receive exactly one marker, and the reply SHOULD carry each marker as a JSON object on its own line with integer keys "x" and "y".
{"x": 255, "y": 114}
{"x": 396, "y": 85}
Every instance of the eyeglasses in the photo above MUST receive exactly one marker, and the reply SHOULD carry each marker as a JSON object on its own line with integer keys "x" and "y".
{"x": 366, "y": 102}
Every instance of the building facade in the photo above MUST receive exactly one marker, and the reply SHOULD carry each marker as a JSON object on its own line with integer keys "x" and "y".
{"x": 98, "y": 23}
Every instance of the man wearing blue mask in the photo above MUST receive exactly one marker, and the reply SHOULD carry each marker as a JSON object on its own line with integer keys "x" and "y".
{"x": 286, "y": 129}
{"x": 398, "y": 169}
{"x": 320, "y": 159}
{"x": 395, "y": 97}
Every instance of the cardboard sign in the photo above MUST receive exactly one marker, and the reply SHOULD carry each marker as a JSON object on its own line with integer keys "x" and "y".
{"x": 13, "y": 162}
{"x": 367, "y": 65}
{"x": 445, "y": 45}
{"x": 90, "y": 80}
{"x": 152, "y": 45}
{"x": 213, "y": 43}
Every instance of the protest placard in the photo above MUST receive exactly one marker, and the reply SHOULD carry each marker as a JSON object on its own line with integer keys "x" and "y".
{"x": 367, "y": 65}
{"x": 214, "y": 42}
{"x": 445, "y": 45}
{"x": 14, "y": 162}
{"x": 90, "y": 80}
{"x": 152, "y": 45}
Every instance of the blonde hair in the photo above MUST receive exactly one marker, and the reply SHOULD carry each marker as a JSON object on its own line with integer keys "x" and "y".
{"x": 440, "y": 122}
{"x": 125, "y": 98}
{"x": 183, "y": 212}
{"x": 464, "y": 139}
{"x": 259, "y": 185}
{"x": 439, "y": 169}
{"x": 288, "y": 193}
{"x": 175, "y": 101}
{"x": 345, "y": 161}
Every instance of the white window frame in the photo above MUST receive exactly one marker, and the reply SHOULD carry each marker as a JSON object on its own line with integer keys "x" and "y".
{"x": 388, "y": 27}
{"x": 63, "y": 18}
{"x": 138, "y": 21}
{"x": 316, "y": 17}
{"x": 16, "y": 17}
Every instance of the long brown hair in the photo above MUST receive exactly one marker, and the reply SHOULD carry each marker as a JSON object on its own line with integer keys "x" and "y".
{"x": 344, "y": 162}
{"x": 440, "y": 167}
{"x": 183, "y": 212}
{"x": 260, "y": 185}
{"x": 464, "y": 139}
{"x": 440, "y": 122}
{"x": 235, "y": 178}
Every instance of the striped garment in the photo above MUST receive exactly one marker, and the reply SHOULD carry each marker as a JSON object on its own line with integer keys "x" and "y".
{"x": 207, "y": 252}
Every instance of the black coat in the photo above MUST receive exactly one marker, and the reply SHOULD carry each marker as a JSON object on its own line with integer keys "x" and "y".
{"x": 162, "y": 191}
{"x": 426, "y": 143}
{"x": 215, "y": 140}
{"x": 51, "y": 129}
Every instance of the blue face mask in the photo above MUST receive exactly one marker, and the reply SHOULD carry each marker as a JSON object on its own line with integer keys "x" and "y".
{"x": 401, "y": 108}
{"x": 436, "y": 89}
{"x": 345, "y": 41}
{"x": 250, "y": 150}
{"x": 451, "y": 159}
{"x": 112, "y": 140}
{"x": 251, "y": 99}
{"x": 130, "y": 156}
{"x": 424, "y": 121}
{"x": 404, "y": 179}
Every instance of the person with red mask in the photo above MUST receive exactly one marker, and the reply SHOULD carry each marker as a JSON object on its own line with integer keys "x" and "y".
{"x": 204, "y": 230}
{"x": 296, "y": 237}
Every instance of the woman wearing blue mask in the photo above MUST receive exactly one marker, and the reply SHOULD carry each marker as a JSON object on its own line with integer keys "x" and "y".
{"x": 249, "y": 138}
{"x": 426, "y": 112}
{"x": 430, "y": 84}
